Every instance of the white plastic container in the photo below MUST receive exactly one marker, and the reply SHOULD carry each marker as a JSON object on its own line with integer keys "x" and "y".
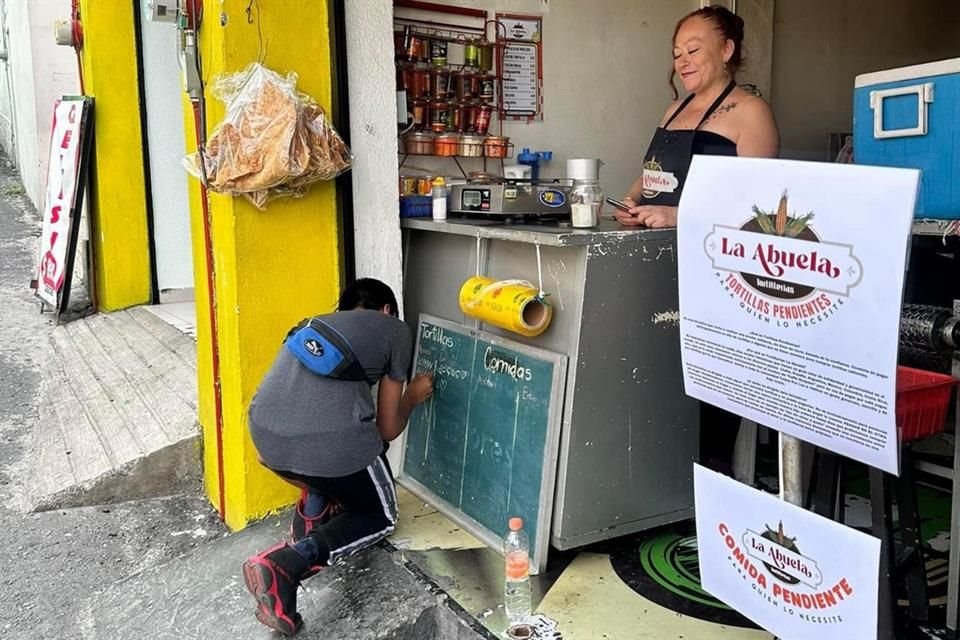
{"x": 439, "y": 199}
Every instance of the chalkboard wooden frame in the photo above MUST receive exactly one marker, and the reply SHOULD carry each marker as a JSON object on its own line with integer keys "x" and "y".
{"x": 540, "y": 538}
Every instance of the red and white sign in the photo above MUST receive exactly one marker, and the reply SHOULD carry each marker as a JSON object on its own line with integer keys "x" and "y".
{"x": 60, "y": 198}
{"x": 791, "y": 282}
{"x": 796, "y": 574}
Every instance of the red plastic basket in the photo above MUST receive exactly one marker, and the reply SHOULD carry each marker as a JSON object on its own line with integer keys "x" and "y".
{"x": 922, "y": 401}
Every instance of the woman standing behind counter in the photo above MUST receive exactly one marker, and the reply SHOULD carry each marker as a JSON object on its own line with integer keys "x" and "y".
{"x": 716, "y": 118}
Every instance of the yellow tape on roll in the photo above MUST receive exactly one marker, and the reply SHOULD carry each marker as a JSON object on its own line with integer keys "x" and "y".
{"x": 514, "y": 305}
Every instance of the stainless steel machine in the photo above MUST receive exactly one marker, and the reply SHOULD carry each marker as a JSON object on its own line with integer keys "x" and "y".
{"x": 511, "y": 200}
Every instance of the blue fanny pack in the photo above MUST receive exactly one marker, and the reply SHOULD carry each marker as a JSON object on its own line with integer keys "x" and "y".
{"x": 324, "y": 351}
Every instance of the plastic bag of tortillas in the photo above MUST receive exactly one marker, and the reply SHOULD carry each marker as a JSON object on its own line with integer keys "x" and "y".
{"x": 273, "y": 141}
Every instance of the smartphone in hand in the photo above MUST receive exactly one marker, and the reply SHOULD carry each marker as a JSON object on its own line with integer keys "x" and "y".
{"x": 619, "y": 205}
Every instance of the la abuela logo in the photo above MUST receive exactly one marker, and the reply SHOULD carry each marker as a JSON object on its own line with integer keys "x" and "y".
{"x": 771, "y": 561}
{"x": 779, "y": 270}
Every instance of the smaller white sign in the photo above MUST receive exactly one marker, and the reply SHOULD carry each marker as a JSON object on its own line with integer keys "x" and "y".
{"x": 794, "y": 573}
{"x": 521, "y": 29}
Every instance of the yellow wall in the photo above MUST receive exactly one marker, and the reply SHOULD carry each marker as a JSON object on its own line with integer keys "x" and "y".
{"x": 118, "y": 197}
{"x": 273, "y": 267}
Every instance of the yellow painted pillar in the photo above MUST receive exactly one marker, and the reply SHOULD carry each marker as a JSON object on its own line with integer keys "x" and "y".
{"x": 272, "y": 268}
{"x": 118, "y": 198}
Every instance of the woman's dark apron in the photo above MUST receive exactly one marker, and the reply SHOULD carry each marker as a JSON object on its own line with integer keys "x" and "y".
{"x": 667, "y": 160}
{"x": 665, "y": 168}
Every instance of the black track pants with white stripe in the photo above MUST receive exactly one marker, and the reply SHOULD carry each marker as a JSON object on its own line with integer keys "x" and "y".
{"x": 369, "y": 503}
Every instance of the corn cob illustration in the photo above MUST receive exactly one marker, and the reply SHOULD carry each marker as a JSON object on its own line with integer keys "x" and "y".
{"x": 781, "y": 221}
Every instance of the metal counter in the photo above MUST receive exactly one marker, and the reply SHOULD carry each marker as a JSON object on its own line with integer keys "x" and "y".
{"x": 629, "y": 434}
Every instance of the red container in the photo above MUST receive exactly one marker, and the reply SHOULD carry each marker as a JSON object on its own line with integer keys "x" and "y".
{"x": 923, "y": 398}
{"x": 482, "y": 121}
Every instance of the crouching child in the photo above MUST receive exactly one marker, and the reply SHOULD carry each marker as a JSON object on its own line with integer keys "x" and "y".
{"x": 314, "y": 424}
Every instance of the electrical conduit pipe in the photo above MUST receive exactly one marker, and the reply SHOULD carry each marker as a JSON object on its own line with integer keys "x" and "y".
{"x": 194, "y": 14}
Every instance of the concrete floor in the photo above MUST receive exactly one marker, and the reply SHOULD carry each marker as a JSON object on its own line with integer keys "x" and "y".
{"x": 583, "y": 595}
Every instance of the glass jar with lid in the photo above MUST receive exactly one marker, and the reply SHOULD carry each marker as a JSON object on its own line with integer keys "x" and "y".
{"x": 586, "y": 198}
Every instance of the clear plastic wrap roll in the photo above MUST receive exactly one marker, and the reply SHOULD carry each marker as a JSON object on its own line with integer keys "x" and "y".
{"x": 514, "y": 305}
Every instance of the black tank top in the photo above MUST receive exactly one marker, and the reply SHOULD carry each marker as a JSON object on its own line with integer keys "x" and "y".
{"x": 668, "y": 157}
{"x": 708, "y": 143}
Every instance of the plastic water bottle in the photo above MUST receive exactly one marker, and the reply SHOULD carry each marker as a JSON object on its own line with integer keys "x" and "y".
{"x": 439, "y": 201}
{"x": 516, "y": 589}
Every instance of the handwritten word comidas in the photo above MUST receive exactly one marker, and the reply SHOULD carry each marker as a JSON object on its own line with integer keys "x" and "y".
{"x": 495, "y": 363}
{"x": 775, "y": 262}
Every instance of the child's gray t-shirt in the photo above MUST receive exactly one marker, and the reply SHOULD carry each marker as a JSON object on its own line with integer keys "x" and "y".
{"x": 315, "y": 426}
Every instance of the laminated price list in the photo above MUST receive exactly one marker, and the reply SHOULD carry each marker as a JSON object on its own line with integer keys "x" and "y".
{"x": 520, "y": 75}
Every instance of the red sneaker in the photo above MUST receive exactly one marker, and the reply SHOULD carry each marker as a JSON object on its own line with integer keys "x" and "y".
{"x": 272, "y": 578}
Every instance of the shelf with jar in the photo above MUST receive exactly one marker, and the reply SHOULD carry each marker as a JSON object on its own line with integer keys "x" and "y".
{"x": 452, "y": 144}
{"x": 450, "y": 86}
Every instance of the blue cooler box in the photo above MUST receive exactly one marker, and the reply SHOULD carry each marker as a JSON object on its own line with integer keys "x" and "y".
{"x": 910, "y": 117}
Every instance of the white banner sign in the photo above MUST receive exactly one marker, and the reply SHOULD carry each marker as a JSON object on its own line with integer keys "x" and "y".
{"x": 796, "y": 574}
{"x": 791, "y": 281}
{"x": 60, "y": 196}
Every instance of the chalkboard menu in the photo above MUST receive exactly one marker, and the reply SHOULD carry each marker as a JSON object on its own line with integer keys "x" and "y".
{"x": 483, "y": 449}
